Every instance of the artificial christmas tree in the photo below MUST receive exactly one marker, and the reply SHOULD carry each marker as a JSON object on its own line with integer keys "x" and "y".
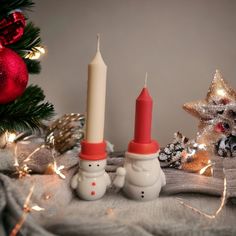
{"x": 21, "y": 108}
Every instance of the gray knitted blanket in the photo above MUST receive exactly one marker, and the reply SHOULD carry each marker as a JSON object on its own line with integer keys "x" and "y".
{"x": 114, "y": 214}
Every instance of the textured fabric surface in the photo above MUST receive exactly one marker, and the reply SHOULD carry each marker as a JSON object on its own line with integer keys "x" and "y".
{"x": 114, "y": 214}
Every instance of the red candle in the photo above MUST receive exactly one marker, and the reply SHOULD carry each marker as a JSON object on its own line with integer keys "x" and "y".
{"x": 143, "y": 117}
{"x": 142, "y": 142}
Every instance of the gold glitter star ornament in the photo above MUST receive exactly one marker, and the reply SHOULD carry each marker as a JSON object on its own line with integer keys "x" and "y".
{"x": 217, "y": 113}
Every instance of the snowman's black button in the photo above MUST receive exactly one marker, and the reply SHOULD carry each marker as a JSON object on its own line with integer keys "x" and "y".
{"x": 142, "y": 192}
{"x": 142, "y": 196}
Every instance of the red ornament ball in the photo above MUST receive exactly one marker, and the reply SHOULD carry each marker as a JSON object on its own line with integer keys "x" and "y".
{"x": 13, "y": 75}
{"x": 219, "y": 128}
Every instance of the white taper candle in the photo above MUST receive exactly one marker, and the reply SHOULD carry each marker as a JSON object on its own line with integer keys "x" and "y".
{"x": 96, "y": 96}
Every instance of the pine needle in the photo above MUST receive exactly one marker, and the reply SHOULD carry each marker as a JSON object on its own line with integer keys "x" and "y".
{"x": 26, "y": 112}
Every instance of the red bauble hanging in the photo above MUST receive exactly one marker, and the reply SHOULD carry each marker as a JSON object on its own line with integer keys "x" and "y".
{"x": 13, "y": 70}
{"x": 13, "y": 75}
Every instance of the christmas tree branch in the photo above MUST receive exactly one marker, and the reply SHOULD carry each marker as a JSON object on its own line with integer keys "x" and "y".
{"x": 7, "y": 6}
{"x": 28, "y": 42}
{"x": 33, "y": 66}
{"x": 26, "y": 112}
{"x": 27, "y": 45}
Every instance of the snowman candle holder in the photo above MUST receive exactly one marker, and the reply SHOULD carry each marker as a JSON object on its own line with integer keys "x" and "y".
{"x": 141, "y": 178}
{"x": 91, "y": 181}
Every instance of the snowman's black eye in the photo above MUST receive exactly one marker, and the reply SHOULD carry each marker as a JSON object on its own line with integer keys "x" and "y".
{"x": 90, "y": 165}
{"x": 98, "y": 165}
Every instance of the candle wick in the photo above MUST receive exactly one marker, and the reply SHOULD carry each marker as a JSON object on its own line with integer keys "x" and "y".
{"x": 146, "y": 78}
{"x": 98, "y": 42}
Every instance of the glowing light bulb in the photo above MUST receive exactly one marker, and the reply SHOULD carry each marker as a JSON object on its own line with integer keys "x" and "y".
{"x": 220, "y": 92}
{"x": 41, "y": 49}
{"x": 35, "y": 55}
{"x": 10, "y": 137}
{"x": 202, "y": 146}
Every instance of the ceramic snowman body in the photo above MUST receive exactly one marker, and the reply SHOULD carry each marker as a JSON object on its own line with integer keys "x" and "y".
{"x": 91, "y": 181}
{"x": 141, "y": 177}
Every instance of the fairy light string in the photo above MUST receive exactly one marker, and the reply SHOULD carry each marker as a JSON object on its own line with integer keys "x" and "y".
{"x": 23, "y": 170}
{"x": 26, "y": 210}
{"x": 217, "y": 212}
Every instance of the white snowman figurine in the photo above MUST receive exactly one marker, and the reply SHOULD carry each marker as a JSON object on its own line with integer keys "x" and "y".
{"x": 141, "y": 177}
{"x": 91, "y": 181}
